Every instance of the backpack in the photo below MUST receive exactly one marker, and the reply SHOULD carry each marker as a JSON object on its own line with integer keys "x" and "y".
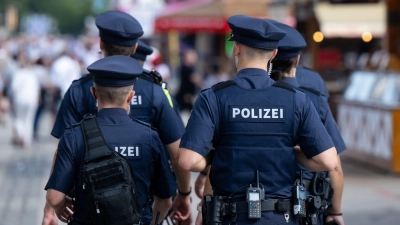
{"x": 110, "y": 192}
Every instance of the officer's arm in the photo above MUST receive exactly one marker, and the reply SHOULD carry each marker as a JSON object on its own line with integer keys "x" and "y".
{"x": 325, "y": 161}
{"x": 183, "y": 177}
{"x": 162, "y": 206}
{"x": 336, "y": 176}
{"x": 193, "y": 161}
{"x": 55, "y": 199}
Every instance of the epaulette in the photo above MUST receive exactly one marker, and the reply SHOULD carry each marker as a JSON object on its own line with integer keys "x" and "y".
{"x": 144, "y": 124}
{"x": 222, "y": 85}
{"x": 280, "y": 84}
{"x": 86, "y": 77}
{"x": 310, "y": 90}
{"x": 204, "y": 90}
{"x": 153, "y": 76}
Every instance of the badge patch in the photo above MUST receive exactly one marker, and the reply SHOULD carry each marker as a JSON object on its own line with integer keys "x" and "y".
{"x": 252, "y": 114}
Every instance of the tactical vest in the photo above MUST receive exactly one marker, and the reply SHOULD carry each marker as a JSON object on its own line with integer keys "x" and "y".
{"x": 142, "y": 102}
{"x": 256, "y": 132}
{"x": 137, "y": 151}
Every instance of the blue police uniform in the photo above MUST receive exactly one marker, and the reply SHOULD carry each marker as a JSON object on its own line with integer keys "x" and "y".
{"x": 150, "y": 102}
{"x": 134, "y": 140}
{"x": 254, "y": 123}
{"x": 289, "y": 47}
{"x": 307, "y": 77}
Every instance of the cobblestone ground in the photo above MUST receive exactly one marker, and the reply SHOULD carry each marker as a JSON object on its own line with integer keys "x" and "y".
{"x": 371, "y": 197}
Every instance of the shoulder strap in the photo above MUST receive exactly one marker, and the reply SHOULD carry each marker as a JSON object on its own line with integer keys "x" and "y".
{"x": 283, "y": 85}
{"x": 96, "y": 146}
{"x": 144, "y": 124}
{"x": 222, "y": 85}
{"x": 310, "y": 90}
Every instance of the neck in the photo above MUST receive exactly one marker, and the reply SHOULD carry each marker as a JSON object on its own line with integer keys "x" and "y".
{"x": 102, "y": 105}
{"x": 257, "y": 64}
{"x": 292, "y": 73}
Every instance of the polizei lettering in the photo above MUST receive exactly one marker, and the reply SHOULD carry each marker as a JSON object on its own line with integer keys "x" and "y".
{"x": 129, "y": 151}
{"x": 257, "y": 113}
{"x": 136, "y": 100}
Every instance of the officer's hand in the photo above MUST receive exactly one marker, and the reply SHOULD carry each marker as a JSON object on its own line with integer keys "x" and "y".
{"x": 49, "y": 218}
{"x": 199, "y": 185}
{"x": 181, "y": 208}
{"x": 188, "y": 221}
{"x": 336, "y": 218}
{"x": 66, "y": 211}
{"x": 199, "y": 219}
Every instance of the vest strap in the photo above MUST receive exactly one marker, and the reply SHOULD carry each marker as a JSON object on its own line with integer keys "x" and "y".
{"x": 283, "y": 85}
{"x": 96, "y": 146}
{"x": 222, "y": 85}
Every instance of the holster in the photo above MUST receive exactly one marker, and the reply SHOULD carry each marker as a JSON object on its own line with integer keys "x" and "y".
{"x": 211, "y": 210}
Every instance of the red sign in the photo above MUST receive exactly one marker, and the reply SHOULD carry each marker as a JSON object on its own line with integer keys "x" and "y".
{"x": 195, "y": 24}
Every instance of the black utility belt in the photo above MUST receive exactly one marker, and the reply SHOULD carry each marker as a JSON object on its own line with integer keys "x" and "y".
{"x": 278, "y": 205}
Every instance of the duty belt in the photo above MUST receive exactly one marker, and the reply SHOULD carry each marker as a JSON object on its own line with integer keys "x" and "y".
{"x": 279, "y": 205}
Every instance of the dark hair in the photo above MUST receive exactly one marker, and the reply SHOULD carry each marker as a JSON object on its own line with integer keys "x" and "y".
{"x": 284, "y": 65}
{"x": 117, "y": 49}
{"x": 276, "y": 75}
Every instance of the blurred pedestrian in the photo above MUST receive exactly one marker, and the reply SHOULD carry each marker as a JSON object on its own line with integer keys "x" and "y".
{"x": 217, "y": 75}
{"x": 24, "y": 94}
{"x": 190, "y": 80}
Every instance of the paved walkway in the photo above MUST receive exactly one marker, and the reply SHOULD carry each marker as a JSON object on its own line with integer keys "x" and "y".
{"x": 371, "y": 197}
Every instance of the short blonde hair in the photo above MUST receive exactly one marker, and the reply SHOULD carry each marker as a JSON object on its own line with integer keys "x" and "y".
{"x": 113, "y": 95}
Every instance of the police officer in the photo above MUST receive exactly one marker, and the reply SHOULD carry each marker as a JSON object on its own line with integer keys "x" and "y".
{"x": 119, "y": 33}
{"x": 253, "y": 123}
{"x": 114, "y": 77}
{"x": 286, "y": 61}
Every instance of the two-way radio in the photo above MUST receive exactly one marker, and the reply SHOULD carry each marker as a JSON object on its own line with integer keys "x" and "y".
{"x": 299, "y": 198}
{"x": 254, "y": 196}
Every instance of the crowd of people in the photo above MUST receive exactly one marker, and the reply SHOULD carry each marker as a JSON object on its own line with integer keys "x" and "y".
{"x": 52, "y": 63}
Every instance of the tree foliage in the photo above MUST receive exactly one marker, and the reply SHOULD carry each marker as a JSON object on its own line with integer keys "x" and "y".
{"x": 69, "y": 14}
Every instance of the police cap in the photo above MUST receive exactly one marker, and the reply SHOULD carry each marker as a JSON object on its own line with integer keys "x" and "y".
{"x": 118, "y": 28}
{"x": 115, "y": 71}
{"x": 291, "y": 45}
{"x": 255, "y": 32}
{"x": 142, "y": 51}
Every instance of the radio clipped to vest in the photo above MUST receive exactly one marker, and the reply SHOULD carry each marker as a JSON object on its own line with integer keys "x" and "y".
{"x": 106, "y": 177}
{"x": 254, "y": 195}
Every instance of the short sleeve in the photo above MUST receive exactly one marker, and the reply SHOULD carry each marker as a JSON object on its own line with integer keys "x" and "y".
{"x": 163, "y": 182}
{"x": 313, "y": 138}
{"x": 63, "y": 176}
{"x": 68, "y": 113}
{"x": 201, "y": 126}
{"x": 168, "y": 123}
{"x": 331, "y": 126}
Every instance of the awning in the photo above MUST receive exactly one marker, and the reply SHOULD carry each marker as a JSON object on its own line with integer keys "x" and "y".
{"x": 207, "y": 15}
{"x": 351, "y": 20}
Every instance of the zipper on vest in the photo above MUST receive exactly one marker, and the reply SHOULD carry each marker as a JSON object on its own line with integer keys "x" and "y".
{"x": 97, "y": 207}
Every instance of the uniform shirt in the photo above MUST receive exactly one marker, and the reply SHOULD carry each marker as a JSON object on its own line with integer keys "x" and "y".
{"x": 152, "y": 173}
{"x": 326, "y": 117}
{"x": 311, "y": 79}
{"x": 204, "y": 123}
{"x": 78, "y": 101}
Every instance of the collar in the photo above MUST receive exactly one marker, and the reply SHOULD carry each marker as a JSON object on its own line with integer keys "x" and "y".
{"x": 291, "y": 81}
{"x": 112, "y": 116}
{"x": 252, "y": 72}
